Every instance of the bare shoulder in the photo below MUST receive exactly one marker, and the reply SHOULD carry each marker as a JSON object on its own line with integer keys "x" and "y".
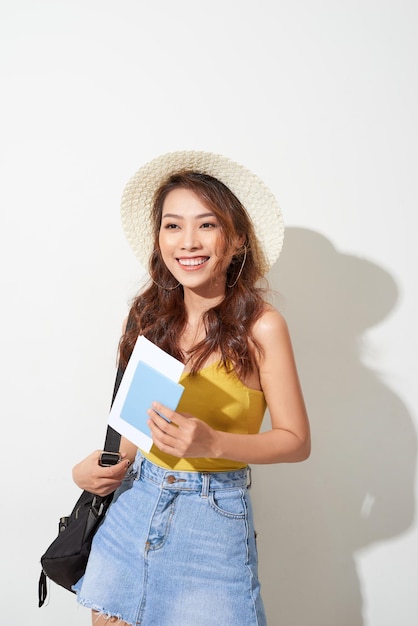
{"x": 270, "y": 326}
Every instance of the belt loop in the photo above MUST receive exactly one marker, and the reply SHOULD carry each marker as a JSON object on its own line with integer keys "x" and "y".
{"x": 139, "y": 461}
{"x": 205, "y": 485}
{"x": 249, "y": 477}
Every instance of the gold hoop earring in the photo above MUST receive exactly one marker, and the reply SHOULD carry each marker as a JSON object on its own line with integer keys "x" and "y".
{"x": 240, "y": 270}
{"x": 165, "y": 288}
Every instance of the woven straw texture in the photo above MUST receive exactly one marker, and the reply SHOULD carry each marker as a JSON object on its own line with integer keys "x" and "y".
{"x": 260, "y": 203}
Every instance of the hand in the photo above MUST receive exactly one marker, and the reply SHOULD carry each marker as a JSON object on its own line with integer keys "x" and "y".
{"x": 185, "y": 436}
{"x": 91, "y": 476}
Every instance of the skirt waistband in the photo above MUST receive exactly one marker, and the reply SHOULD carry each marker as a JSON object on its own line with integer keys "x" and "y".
{"x": 202, "y": 482}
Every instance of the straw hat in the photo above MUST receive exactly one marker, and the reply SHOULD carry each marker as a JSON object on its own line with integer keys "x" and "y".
{"x": 258, "y": 200}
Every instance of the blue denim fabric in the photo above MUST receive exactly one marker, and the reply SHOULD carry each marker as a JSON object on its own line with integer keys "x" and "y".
{"x": 176, "y": 549}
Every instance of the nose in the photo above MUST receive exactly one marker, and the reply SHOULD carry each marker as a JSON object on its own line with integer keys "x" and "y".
{"x": 190, "y": 238}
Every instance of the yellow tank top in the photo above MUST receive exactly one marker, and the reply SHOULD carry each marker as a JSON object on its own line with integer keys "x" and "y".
{"x": 221, "y": 400}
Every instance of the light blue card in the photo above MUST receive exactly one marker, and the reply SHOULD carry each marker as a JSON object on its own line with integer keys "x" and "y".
{"x": 148, "y": 385}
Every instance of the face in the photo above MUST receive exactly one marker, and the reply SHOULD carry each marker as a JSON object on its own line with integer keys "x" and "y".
{"x": 191, "y": 241}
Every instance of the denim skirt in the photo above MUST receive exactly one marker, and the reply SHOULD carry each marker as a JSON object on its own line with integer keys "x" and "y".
{"x": 176, "y": 549}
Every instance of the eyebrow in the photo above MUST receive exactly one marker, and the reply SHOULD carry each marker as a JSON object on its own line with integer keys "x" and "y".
{"x": 180, "y": 217}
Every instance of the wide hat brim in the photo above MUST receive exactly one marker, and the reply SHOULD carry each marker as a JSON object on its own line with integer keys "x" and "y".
{"x": 259, "y": 202}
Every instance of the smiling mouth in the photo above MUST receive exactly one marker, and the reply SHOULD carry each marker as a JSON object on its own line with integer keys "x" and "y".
{"x": 193, "y": 262}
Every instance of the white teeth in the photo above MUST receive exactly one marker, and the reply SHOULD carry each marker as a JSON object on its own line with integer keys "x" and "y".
{"x": 191, "y": 262}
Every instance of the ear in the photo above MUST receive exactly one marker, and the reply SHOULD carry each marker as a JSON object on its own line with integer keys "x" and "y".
{"x": 240, "y": 241}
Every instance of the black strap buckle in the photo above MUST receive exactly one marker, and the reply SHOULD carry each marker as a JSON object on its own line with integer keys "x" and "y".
{"x": 107, "y": 459}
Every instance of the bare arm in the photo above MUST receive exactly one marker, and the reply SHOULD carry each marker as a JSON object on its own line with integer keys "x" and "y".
{"x": 288, "y": 440}
{"x": 91, "y": 476}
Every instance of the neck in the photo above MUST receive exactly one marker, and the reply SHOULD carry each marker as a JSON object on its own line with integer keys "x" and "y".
{"x": 196, "y": 303}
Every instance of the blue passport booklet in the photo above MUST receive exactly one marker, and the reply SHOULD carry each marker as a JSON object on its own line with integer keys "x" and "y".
{"x": 151, "y": 375}
{"x": 147, "y": 385}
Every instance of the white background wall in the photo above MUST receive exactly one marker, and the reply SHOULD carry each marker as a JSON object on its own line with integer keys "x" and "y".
{"x": 319, "y": 98}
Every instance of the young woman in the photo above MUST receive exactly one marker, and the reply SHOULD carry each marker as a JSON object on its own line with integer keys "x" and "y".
{"x": 177, "y": 547}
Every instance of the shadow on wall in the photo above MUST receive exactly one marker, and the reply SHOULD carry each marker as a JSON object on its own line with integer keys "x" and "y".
{"x": 357, "y": 487}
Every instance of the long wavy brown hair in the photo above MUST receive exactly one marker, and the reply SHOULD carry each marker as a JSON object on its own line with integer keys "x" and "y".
{"x": 159, "y": 313}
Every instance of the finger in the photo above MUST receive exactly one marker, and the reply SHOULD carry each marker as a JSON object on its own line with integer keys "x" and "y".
{"x": 164, "y": 440}
{"x": 163, "y": 411}
{"x": 179, "y": 419}
{"x": 121, "y": 468}
{"x": 95, "y": 456}
{"x": 113, "y": 472}
{"x": 160, "y": 427}
{"x": 161, "y": 421}
{"x": 163, "y": 416}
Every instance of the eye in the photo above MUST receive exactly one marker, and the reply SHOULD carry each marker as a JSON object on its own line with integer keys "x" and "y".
{"x": 207, "y": 225}
{"x": 170, "y": 226}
